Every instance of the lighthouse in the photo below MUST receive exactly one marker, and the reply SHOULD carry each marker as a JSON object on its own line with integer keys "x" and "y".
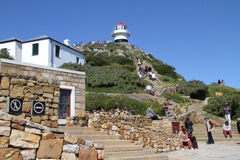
{"x": 120, "y": 33}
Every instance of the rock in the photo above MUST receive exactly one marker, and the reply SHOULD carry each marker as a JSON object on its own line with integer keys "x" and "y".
{"x": 10, "y": 154}
{"x": 68, "y": 156}
{"x": 88, "y": 154}
{"x": 28, "y": 154}
{"x": 51, "y": 148}
{"x": 71, "y": 148}
{"x": 23, "y": 139}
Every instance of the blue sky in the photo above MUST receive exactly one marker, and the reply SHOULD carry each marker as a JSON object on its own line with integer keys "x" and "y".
{"x": 200, "y": 38}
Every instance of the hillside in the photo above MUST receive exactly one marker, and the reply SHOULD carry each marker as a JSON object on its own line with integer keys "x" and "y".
{"x": 112, "y": 71}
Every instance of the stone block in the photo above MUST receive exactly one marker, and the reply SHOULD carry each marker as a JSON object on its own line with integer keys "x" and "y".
{"x": 51, "y": 148}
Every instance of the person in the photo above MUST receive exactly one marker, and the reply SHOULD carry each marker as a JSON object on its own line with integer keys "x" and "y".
{"x": 183, "y": 136}
{"x": 153, "y": 77}
{"x": 227, "y": 129}
{"x": 223, "y": 83}
{"x": 153, "y": 91}
{"x": 188, "y": 125}
{"x": 165, "y": 107}
{"x": 219, "y": 82}
{"x": 149, "y": 88}
{"x": 209, "y": 127}
{"x": 228, "y": 110}
{"x": 238, "y": 124}
{"x": 151, "y": 113}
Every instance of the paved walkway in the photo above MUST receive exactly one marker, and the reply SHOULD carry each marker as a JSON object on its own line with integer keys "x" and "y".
{"x": 217, "y": 151}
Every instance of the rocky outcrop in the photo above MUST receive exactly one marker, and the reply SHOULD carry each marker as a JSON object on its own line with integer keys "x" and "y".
{"x": 21, "y": 139}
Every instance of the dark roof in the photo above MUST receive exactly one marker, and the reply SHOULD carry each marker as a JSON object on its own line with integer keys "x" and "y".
{"x": 10, "y": 40}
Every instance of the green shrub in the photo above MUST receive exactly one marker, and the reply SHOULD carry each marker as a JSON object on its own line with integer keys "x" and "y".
{"x": 96, "y": 101}
{"x": 97, "y": 60}
{"x": 5, "y": 54}
{"x": 195, "y": 89}
{"x": 73, "y": 66}
{"x": 212, "y": 89}
{"x": 108, "y": 77}
{"x": 216, "y": 104}
{"x": 176, "y": 97}
{"x": 164, "y": 69}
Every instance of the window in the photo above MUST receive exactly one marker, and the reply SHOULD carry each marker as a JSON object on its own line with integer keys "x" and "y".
{"x": 57, "y": 51}
{"x": 35, "y": 49}
{"x": 77, "y": 60}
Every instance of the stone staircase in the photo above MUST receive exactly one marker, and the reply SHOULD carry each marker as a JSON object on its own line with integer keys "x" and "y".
{"x": 201, "y": 134}
{"x": 115, "y": 148}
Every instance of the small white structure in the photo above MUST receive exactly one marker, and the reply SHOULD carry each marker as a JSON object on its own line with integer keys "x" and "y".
{"x": 120, "y": 33}
{"x": 43, "y": 51}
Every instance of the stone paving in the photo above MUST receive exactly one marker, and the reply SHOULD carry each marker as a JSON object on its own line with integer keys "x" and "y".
{"x": 217, "y": 151}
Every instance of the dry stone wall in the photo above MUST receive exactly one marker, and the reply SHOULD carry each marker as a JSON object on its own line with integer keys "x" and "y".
{"x": 140, "y": 130}
{"x": 21, "y": 139}
{"x": 30, "y": 82}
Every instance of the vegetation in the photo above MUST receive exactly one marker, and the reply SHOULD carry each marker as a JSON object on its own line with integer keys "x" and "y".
{"x": 96, "y": 101}
{"x": 195, "y": 89}
{"x": 113, "y": 77}
{"x": 216, "y": 105}
{"x": 5, "y": 54}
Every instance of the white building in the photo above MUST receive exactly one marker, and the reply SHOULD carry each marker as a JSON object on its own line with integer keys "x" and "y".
{"x": 120, "y": 33}
{"x": 43, "y": 51}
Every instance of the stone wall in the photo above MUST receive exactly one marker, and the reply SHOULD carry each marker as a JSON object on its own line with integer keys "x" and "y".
{"x": 140, "y": 130}
{"x": 30, "y": 82}
{"x": 21, "y": 139}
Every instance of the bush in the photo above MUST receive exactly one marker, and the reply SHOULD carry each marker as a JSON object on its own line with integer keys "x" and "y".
{"x": 73, "y": 66}
{"x": 116, "y": 77}
{"x": 195, "y": 89}
{"x": 97, "y": 60}
{"x": 5, "y": 54}
{"x": 96, "y": 101}
{"x": 216, "y": 105}
{"x": 212, "y": 89}
{"x": 164, "y": 69}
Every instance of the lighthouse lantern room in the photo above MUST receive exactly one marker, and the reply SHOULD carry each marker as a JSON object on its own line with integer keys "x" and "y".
{"x": 120, "y": 33}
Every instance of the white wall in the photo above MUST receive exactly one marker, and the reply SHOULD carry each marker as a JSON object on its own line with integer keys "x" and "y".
{"x": 66, "y": 55}
{"x": 14, "y": 49}
{"x": 43, "y": 52}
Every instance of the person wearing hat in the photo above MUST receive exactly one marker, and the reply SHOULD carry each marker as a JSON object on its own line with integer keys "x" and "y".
{"x": 209, "y": 127}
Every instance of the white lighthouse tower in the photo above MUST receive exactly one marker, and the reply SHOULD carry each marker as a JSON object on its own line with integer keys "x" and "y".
{"x": 120, "y": 33}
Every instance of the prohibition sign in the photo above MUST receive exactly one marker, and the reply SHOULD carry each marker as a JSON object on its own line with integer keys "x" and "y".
{"x": 38, "y": 107}
{"x": 15, "y": 105}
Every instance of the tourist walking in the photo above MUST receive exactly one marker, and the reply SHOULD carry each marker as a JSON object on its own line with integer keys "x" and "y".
{"x": 227, "y": 129}
{"x": 151, "y": 113}
{"x": 209, "y": 127}
{"x": 188, "y": 125}
{"x": 227, "y": 110}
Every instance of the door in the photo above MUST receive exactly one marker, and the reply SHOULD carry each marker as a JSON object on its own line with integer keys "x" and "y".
{"x": 64, "y": 108}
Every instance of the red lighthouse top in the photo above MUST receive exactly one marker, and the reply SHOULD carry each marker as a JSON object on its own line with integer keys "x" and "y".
{"x": 120, "y": 26}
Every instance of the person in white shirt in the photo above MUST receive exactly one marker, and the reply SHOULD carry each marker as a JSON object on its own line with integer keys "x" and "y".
{"x": 149, "y": 88}
{"x": 227, "y": 129}
{"x": 153, "y": 77}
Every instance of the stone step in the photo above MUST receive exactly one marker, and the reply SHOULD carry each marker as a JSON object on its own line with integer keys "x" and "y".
{"x": 64, "y": 128}
{"x": 80, "y": 132}
{"x": 122, "y": 148}
{"x": 131, "y": 153}
{"x": 98, "y": 137}
{"x": 143, "y": 157}
{"x": 113, "y": 141}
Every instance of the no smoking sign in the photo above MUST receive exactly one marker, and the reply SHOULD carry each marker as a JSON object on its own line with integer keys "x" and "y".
{"x": 38, "y": 108}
